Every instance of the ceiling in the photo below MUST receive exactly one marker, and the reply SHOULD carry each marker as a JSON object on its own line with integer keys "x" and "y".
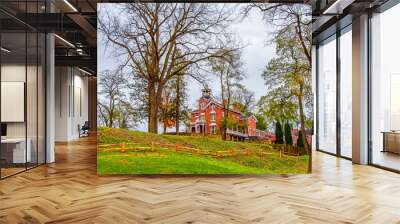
{"x": 330, "y": 15}
{"x": 73, "y": 22}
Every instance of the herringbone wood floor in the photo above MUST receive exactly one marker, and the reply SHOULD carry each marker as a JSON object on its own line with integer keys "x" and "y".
{"x": 70, "y": 191}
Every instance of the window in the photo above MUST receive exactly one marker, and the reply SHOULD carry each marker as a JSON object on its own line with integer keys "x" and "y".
{"x": 327, "y": 95}
{"x": 334, "y": 94}
{"x": 202, "y": 118}
{"x": 22, "y": 65}
{"x": 213, "y": 129}
{"x": 346, "y": 93}
{"x": 385, "y": 88}
{"x": 212, "y": 116}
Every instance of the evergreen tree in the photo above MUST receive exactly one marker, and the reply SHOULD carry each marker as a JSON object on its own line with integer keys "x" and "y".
{"x": 278, "y": 133}
{"x": 300, "y": 142}
{"x": 288, "y": 134}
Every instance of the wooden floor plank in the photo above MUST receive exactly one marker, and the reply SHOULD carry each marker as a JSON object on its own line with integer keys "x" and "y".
{"x": 70, "y": 191}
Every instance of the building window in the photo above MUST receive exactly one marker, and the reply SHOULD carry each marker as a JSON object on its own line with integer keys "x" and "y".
{"x": 203, "y": 118}
{"x": 212, "y": 116}
{"x": 213, "y": 129}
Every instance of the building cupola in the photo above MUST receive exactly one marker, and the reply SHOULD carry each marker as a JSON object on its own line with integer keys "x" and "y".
{"x": 206, "y": 92}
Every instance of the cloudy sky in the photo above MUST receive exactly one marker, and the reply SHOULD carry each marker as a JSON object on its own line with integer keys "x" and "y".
{"x": 252, "y": 31}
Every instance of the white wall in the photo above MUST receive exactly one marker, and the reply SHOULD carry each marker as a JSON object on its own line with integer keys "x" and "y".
{"x": 17, "y": 73}
{"x": 80, "y": 109}
{"x": 10, "y": 73}
{"x": 71, "y": 102}
{"x": 61, "y": 103}
{"x": 33, "y": 126}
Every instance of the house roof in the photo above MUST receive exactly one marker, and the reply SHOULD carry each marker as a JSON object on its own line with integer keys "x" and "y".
{"x": 213, "y": 101}
{"x": 249, "y": 116}
{"x": 221, "y": 106}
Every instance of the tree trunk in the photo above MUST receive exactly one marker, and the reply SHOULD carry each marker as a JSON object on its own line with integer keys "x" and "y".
{"x": 224, "y": 127}
{"x": 224, "y": 119}
{"x": 178, "y": 104}
{"x": 228, "y": 101}
{"x": 303, "y": 130}
{"x": 110, "y": 123}
{"x": 153, "y": 109}
{"x": 303, "y": 44}
{"x": 111, "y": 113}
{"x": 123, "y": 124}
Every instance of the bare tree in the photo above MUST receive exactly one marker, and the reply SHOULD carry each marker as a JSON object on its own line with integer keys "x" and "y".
{"x": 113, "y": 107}
{"x": 127, "y": 114}
{"x": 136, "y": 92}
{"x": 285, "y": 16}
{"x": 173, "y": 103}
{"x": 167, "y": 107}
{"x": 150, "y": 35}
{"x": 180, "y": 85}
{"x": 111, "y": 84}
{"x": 244, "y": 99}
{"x": 229, "y": 72}
{"x": 178, "y": 88}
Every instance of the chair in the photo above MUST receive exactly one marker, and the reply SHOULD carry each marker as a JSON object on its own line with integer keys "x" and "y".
{"x": 84, "y": 130}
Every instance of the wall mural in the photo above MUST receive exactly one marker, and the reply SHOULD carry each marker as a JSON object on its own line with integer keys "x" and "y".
{"x": 191, "y": 88}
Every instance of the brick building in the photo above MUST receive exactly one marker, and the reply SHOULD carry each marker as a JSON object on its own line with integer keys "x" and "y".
{"x": 207, "y": 119}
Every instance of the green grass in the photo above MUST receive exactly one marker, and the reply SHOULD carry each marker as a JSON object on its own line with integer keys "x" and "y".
{"x": 167, "y": 161}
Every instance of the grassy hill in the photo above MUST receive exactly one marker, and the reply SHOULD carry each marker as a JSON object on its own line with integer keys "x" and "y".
{"x": 167, "y": 161}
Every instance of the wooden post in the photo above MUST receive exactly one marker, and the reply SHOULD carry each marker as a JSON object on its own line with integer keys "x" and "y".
{"x": 177, "y": 147}
{"x": 261, "y": 155}
{"x": 123, "y": 148}
{"x": 152, "y": 146}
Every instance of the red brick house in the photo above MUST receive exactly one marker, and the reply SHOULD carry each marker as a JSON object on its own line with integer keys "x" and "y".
{"x": 207, "y": 119}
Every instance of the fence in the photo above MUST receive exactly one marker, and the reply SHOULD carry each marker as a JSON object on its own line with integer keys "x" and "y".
{"x": 284, "y": 150}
